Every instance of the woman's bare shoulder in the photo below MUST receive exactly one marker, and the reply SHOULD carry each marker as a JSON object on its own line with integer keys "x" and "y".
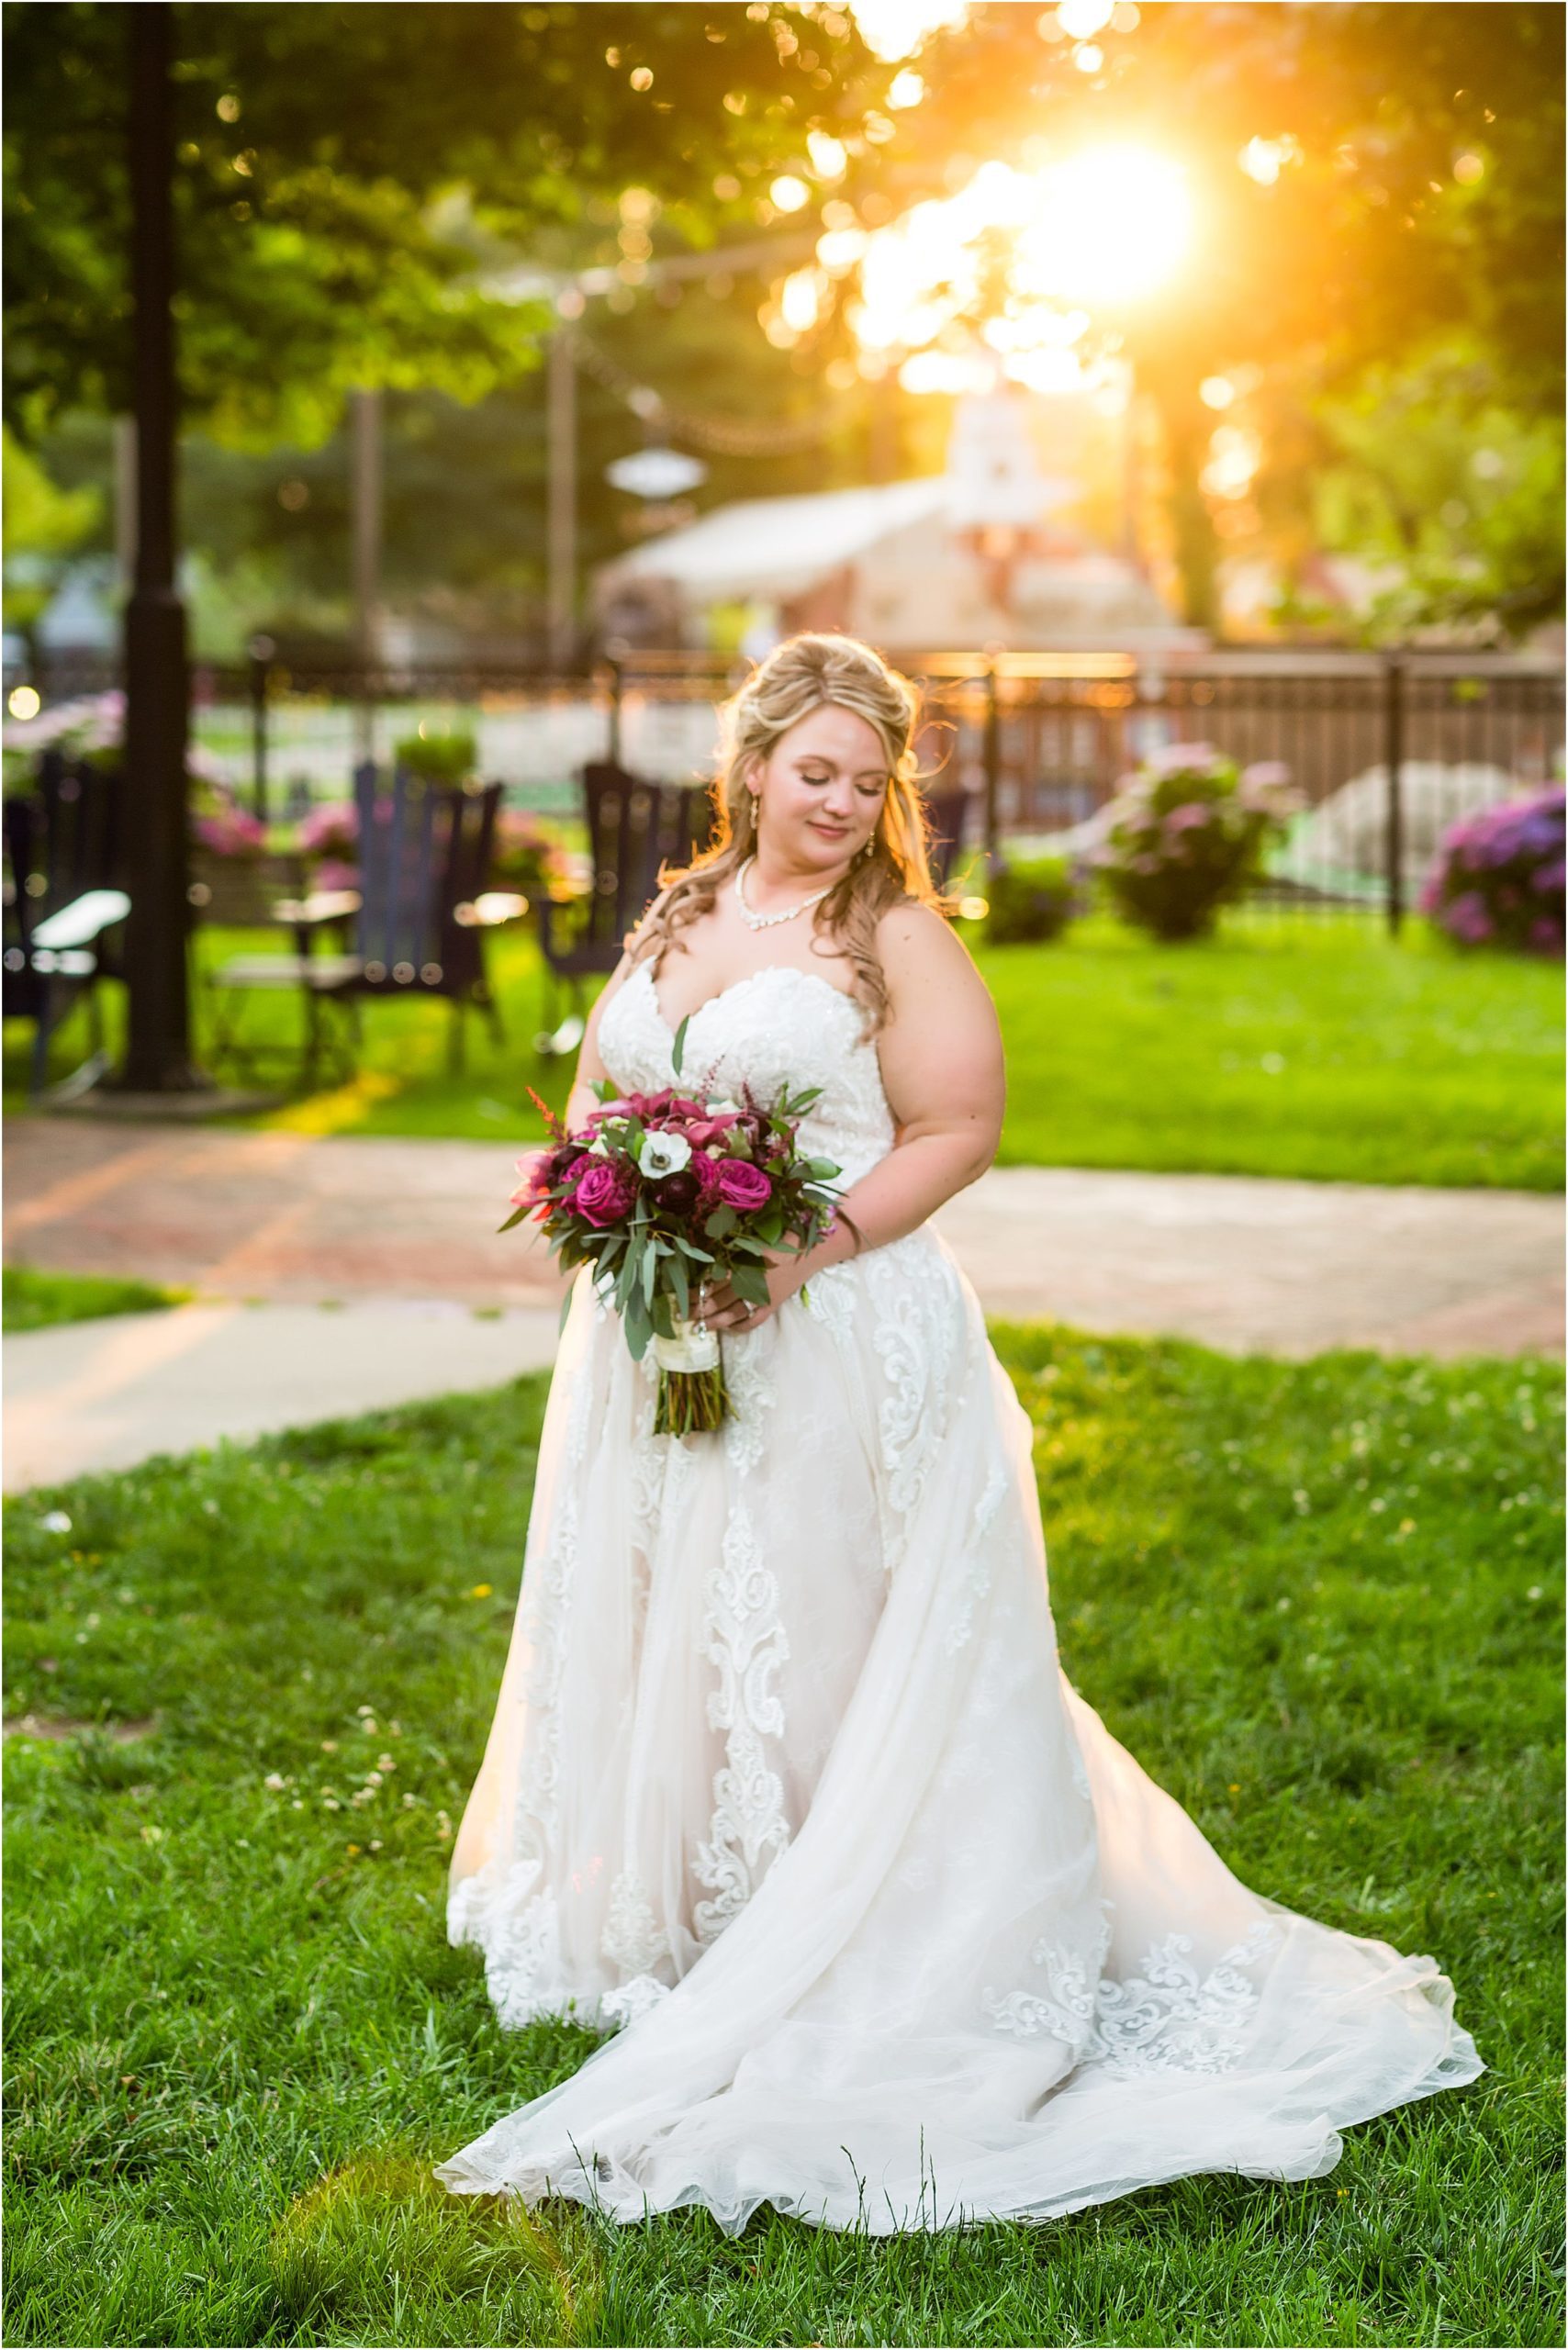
{"x": 918, "y": 948}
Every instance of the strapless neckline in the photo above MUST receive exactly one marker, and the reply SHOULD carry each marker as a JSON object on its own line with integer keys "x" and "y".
{"x": 768, "y": 970}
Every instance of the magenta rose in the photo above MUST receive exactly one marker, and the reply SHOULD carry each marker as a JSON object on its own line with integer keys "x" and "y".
{"x": 604, "y": 1192}
{"x": 742, "y": 1185}
{"x": 706, "y": 1170}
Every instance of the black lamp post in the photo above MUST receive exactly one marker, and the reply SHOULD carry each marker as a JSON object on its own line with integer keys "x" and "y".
{"x": 157, "y": 1056}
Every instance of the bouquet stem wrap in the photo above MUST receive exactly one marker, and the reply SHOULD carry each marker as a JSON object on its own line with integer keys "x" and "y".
{"x": 692, "y": 1396}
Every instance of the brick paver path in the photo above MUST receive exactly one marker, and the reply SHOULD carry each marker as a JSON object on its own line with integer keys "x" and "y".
{"x": 1287, "y": 1268}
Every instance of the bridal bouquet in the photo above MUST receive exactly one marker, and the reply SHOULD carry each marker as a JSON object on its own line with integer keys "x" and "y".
{"x": 665, "y": 1192}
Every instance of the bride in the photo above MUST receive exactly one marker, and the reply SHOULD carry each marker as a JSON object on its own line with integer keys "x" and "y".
{"x": 785, "y": 1779}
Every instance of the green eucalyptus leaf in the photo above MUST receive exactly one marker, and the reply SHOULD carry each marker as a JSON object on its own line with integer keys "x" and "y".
{"x": 639, "y": 1328}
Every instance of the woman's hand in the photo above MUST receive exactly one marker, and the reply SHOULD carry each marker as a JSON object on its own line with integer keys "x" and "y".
{"x": 715, "y": 1306}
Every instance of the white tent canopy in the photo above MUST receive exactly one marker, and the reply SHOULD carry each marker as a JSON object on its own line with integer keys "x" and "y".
{"x": 771, "y": 547}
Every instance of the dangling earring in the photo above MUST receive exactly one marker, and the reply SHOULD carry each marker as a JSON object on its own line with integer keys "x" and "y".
{"x": 869, "y": 846}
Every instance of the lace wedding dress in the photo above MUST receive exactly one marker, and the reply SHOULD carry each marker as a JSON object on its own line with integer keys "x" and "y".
{"x": 785, "y": 1780}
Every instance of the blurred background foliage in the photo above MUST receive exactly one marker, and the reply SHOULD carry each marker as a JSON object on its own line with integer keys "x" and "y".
{"x": 385, "y": 196}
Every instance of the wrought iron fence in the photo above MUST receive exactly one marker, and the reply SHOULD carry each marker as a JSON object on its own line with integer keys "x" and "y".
{"x": 1385, "y": 750}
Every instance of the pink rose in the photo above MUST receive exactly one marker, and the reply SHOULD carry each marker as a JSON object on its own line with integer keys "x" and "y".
{"x": 604, "y": 1192}
{"x": 742, "y": 1185}
{"x": 542, "y": 1169}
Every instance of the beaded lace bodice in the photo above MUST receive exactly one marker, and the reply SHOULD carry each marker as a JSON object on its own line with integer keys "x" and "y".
{"x": 780, "y": 1026}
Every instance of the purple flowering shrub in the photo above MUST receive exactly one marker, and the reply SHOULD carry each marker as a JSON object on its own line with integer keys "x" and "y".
{"x": 1499, "y": 877}
{"x": 1186, "y": 834}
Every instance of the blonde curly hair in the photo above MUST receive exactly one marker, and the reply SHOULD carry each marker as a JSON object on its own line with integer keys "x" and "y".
{"x": 797, "y": 676}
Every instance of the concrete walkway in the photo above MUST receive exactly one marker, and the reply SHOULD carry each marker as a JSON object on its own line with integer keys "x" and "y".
{"x": 376, "y": 1226}
{"x": 90, "y": 1395}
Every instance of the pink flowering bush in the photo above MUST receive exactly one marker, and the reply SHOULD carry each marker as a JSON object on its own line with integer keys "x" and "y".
{"x": 328, "y": 838}
{"x": 1499, "y": 877}
{"x": 526, "y": 854}
{"x": 225, "y": 829}
{"x": 92, "y": 727}
{"x": 1186, "y": 834}
{"x": 330, "y": 829}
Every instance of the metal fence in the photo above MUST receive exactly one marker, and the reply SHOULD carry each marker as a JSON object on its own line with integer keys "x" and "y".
{"x": 1386, "y": 751}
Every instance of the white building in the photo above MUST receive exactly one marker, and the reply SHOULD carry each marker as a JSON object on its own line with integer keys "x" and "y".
{"x": 900, "y": 563}
{"x": 971, "y": 556}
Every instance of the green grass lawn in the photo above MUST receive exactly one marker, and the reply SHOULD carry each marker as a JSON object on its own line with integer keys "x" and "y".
{"x": 1284, "y": 1047}
{"x": 36, "y": 1300}
{"x": 1319, "y": 1600}
{"x": 1297, "y": 1048}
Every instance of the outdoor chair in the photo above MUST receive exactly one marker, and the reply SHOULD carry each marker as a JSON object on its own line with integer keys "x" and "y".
{"x": 634, "y": 826}
{"x": 63, "y": 906}
{"x": 250, "y": 894}
{"x": 242, "y": 892}
{"x": 420, "y": 914}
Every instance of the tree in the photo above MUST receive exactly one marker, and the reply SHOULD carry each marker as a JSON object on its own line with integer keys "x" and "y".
{"x": 344, "y": 172}
{"x": 1427, "y": 470}
{"x": 1370, "y": 178}
{"x": 340, "y": 172}
{"x": 44, "y": 526}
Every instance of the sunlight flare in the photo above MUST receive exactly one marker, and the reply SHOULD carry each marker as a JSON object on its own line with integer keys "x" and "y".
{"x": 1025, "y": 259}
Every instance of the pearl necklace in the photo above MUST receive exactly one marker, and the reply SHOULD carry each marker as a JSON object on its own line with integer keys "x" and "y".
{"x": 765, "y": 921}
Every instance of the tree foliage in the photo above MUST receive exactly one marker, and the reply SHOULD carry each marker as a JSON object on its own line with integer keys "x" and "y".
{"x": 344, "y": 172}
{"x": 1416, "y": 194}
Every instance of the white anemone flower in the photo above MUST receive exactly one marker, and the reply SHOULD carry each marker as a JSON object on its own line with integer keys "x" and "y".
{"x": 664, "y": 1154}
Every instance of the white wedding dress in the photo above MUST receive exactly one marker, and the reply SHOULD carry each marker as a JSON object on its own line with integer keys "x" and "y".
{"x": 785, "y": 1779}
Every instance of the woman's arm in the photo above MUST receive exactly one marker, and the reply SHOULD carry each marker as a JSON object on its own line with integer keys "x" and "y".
{"x": 945, "y": 1078}
{"x": 581, "y": 1100}
{"x": 945, "y": 1082}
